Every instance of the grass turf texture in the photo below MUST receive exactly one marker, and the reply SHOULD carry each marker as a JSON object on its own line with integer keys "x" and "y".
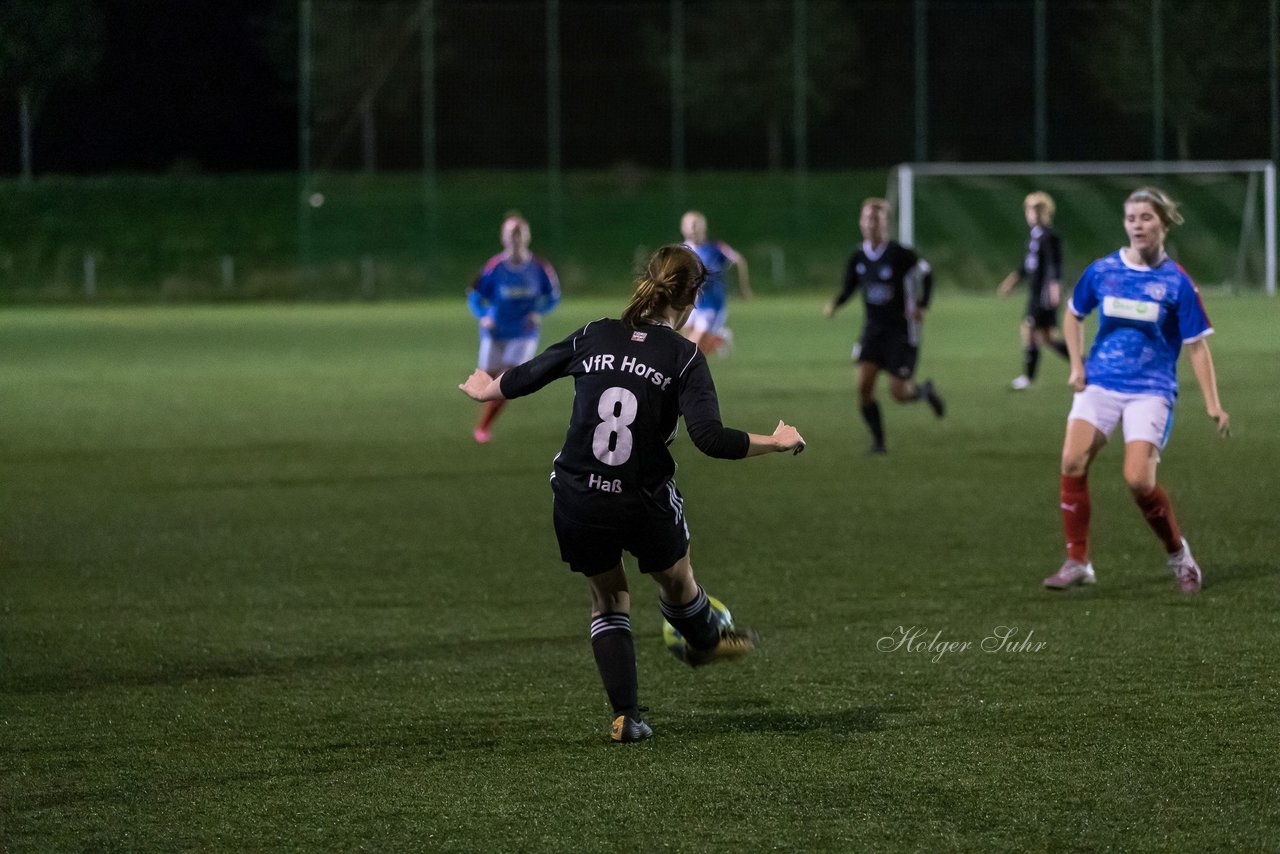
{"x": 260, "y": 589}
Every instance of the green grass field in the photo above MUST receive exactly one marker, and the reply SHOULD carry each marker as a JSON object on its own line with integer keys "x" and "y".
{"x": 261, "y": 590}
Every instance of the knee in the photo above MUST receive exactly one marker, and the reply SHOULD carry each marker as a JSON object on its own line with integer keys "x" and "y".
{"x": 903, "y": 392}
{"x": 1075, "y": 465}
{"x": 1141, "y": 484}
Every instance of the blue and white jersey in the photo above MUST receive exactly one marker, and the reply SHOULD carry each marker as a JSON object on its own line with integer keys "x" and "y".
{"x": 716, "y": 259}
{"x": 509, "y": 293}
{"x": 1145, "y": 316}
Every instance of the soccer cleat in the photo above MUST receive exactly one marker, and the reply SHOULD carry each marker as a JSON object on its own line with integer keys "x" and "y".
{"x": 1021, "y": 383}
{"x": 1185, "y": 569}
{"x": 481, "y": 435}
{"x": 626, "y": 729}
{"x": 1071, "y": 573}
{"x": 734, "y": 643}
{"x": 877, "y": 449}
{"x": 935, "y": 400}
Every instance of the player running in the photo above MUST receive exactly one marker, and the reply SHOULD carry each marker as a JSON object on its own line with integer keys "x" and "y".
{"x": 707, "y": 327}
{"x": 1148, "y": 308}
{"x": 514, "y": 289}
{"x": 612, "y": 482}
{"x": 896, "y": 285}
{"x": 1042, "y": 270}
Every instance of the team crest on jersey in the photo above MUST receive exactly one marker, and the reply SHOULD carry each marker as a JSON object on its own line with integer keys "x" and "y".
{"x": 1156, "y": 291}
{"x": 861, "y": 268}
{"x": 639, "y": 336}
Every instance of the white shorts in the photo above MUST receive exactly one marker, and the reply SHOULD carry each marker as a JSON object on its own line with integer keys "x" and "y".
{"x": 499, "y": 354}
{"x": 710, "y": 320}
{"x": 1146, "y": 417}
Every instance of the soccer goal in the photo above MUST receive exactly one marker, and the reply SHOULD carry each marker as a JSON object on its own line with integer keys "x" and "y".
{"x": 967, "y": 217}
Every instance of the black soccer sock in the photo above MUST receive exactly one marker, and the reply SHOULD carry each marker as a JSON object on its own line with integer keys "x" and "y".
{"x": 694, "y": 620}
{"x": 871, "y": 414}
{"x": 1060, "y": 347}
{"x": 1030, "y": 361}
{"x": 615, "y": 653}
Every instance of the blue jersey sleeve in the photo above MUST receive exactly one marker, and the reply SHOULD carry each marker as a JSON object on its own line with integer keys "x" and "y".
{"x": 1084, "y": 298}
{"x": 550, "y": 296}
{"x": 480, "y": 294}
{"x": 1193, "y": 322}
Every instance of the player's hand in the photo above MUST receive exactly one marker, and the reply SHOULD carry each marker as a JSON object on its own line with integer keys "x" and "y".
{"x": 1077, "y": 378}
{"x": 788, "y": 438}
{"x": 476, "y": 385}
{"x": 1055, "y": 295}
{"x": 486, "y": 322}
{"x": 532, "y": 320}
{"x": 1223, "y": 421}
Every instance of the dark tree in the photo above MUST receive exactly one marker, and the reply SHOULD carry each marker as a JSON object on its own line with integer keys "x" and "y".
{"x": 740, "y": 65}
{"x": 45, "y": 44}
{"x": 1207, "y": 48}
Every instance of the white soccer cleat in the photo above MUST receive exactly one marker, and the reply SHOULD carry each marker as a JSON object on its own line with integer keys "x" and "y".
{"x": 1071, "y": 573}
{"x": 1021, "y": 383}
{"x": 1185, "y": 569}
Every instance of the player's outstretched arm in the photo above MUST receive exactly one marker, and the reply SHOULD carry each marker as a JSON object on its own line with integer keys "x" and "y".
{"x": 1202, "y": 364}
{"x": 1007, "y": 284}
{"x": 784, "y": 438}
{"x": 482, "y": 387}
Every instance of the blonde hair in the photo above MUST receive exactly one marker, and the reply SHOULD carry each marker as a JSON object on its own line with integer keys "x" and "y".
{"x": 1043, "y": 203}
{"x": 1165, "y": 207}
{"x": 672, "y": 278}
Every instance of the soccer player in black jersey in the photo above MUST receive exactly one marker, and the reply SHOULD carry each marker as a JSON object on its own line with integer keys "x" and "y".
{"x": 896, "y": 284}
{"x": 612, "y": 481}
{"x": 1042, "y": 269}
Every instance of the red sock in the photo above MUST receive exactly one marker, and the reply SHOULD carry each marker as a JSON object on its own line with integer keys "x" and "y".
{"x": 1158, "y": 512}
{"x": 491, "y": 410}
{"x": 1075, "y": 516}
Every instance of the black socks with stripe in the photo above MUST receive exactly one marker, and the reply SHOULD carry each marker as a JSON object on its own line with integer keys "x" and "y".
{"x": 615, "y": 653}
{"x": 694, "y": 620}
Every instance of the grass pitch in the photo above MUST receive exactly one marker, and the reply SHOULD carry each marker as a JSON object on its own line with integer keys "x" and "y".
{"x": 260, "y": 589}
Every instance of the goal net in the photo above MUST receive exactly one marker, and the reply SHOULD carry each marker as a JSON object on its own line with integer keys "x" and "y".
{"x": 967, "y": 217}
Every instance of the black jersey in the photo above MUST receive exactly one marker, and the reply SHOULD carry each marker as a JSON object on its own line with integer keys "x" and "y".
{"x": 895, "y": 281}
{"x": 1041, "y": 266}
{"x": 631, "y": 386}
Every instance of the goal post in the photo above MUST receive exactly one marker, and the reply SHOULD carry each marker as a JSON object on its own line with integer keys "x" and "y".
{"x": 1225, "y": 200}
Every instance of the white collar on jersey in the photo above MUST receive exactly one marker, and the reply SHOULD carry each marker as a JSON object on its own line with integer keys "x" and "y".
{"x": 1124, "y": 259}
{"x": 873, "y": 253}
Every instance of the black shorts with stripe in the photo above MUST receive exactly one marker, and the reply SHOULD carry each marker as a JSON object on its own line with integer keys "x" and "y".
{"x": 656, "y": 541}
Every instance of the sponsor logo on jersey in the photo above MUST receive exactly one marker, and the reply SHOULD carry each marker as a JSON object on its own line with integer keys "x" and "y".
{"x": 1131, "y": 309}
{"x": 639, "y": 336}
{"x": 879, "y": 294}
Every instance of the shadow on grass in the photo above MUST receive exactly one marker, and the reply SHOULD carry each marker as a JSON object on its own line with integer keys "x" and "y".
{"x": 164, "y": 673}
{"x": 784, "y": 721}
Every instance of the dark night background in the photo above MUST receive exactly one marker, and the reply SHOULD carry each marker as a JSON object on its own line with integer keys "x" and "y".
{"x": 205, "y": 86}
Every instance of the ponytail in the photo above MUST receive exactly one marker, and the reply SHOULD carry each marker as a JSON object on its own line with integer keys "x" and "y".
{"x": 671, "y": 279}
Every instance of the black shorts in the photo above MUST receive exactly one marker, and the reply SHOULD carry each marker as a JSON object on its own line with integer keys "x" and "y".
{"x": 656, "y": 542}
{"x": 1041, "y": 318}
{"x": 893, "y": 352}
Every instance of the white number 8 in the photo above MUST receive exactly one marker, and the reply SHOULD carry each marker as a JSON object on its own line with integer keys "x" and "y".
{"x": 612, "y": 440}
